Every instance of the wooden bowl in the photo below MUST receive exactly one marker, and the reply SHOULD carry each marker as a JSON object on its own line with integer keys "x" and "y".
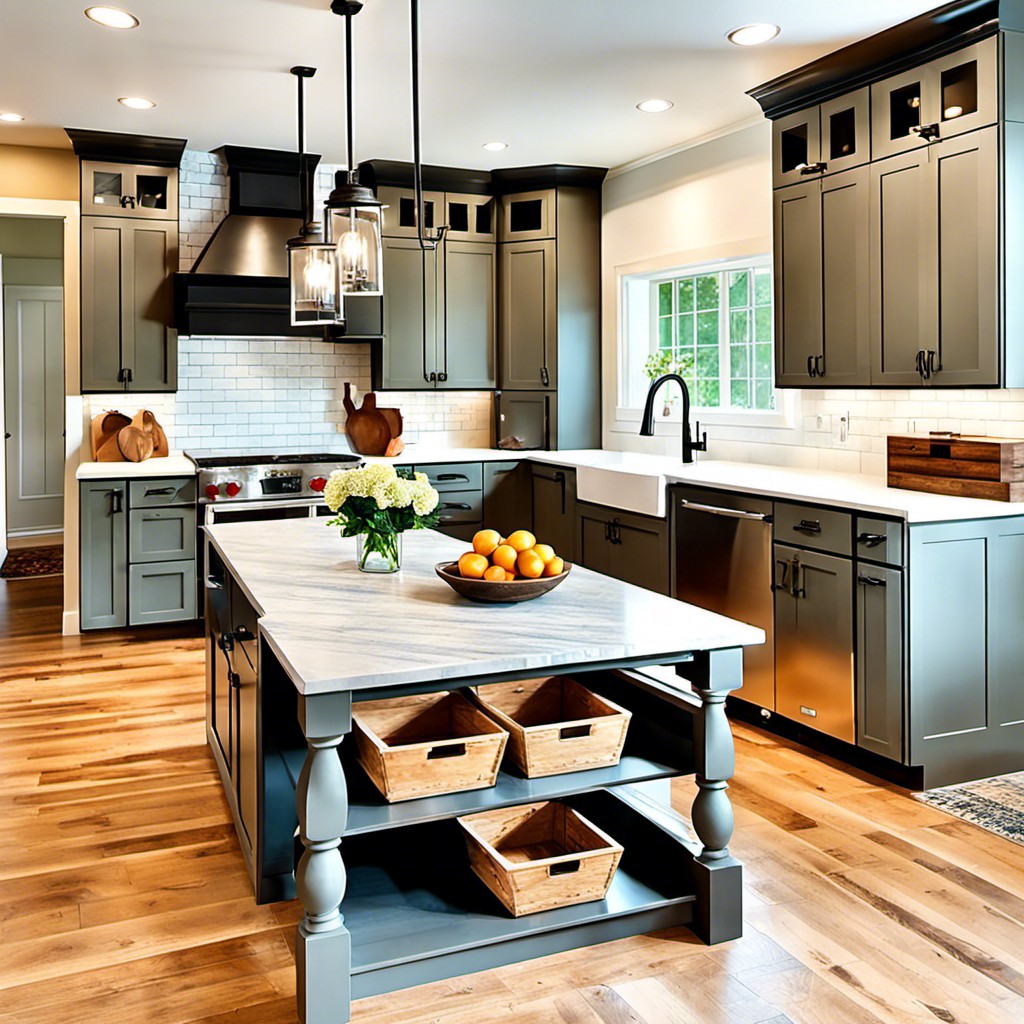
{"x": 492, "y": 592}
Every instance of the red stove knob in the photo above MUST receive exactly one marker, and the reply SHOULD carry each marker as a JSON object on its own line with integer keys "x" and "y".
{"x": 232, "y": 488}
{"x": 213, "y": 491}
{"x": 318, "y": 483}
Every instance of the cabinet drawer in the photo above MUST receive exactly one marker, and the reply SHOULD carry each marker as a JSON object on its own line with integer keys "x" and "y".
{"x": 162, "y": 491}
{"x": 161, "y": 534}
{"x": 819, "y": 528}
{"x": 454, "y": 476}
{"x": 461, "y": 507}
{"x": 161, "y": 592}
{"x": 879, "y": 540}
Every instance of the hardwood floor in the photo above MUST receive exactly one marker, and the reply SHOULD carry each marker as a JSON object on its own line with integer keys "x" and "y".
{"x": 124, "y": 897}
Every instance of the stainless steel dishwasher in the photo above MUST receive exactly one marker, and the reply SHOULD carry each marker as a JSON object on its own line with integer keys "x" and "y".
{"x": 723, "y": 562}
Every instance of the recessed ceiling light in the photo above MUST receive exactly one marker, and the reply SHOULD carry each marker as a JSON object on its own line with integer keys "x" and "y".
{"x": 136, "y": 102}
{"x": 111, "y": 17}
{"x": 655, "y": 106}
{"x": 495, "y": 147}
{"x": 12, "y": 117}
{"x": 752, "y": 35}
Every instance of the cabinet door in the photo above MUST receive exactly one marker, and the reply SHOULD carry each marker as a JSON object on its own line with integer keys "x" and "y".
{"x": 161, "y": 534}
{"x": 814, "y": 682}
{"x": 104, "y": 555}
{"x": 880, "y": 660}
{"x": 642, "y": 552}
{"x": 400, "y": 212}
{"x": 594, "y": 532}
{"x": 798, "y": 258}
{"x": 527, "y": 216}
{"x": 219, "y": 670}
{"x": 528, "y": 315}
{"x": 129, "y": 190}
{"x": 965, "y": 174}
{"x": 102, "y": 259}
{"x": 410, "y": 336}
{"x": 554, "y": 508}
{"x": 470, "y": 315}
{"x": 900, "y": 105}
{"x": 902, "y": 267}
{"x": 796, "y": 147}
{"x": 525, "y": 415}
{"x": 845, "y": 246}
{"x": 507, "y": 498}
{"x": 966, "y": 89}
{"x": 846, "y": 131}
{"x": 161, "y": 592}
{"x": 149, "y": 345}
{"x": 470, "y": 218}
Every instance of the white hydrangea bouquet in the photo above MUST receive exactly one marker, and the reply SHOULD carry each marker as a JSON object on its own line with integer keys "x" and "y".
{"x": 376, "y": 505}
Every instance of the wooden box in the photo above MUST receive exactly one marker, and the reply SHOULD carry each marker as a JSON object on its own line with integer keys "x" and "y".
{"x": 426, "y": 745}
{"x": 555, "y": 725}
{"x": 540, "y": 856}
{"x": 968, "y": 467}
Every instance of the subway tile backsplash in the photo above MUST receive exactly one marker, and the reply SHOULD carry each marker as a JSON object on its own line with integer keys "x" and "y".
{"x": 237, "y": 393}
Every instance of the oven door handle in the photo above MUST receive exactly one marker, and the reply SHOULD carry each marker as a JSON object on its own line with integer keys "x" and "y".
{"x": 732, "y": 513}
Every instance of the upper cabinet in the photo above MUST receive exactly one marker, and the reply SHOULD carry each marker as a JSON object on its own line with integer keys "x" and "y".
{"x": 899, "y": 208}
{"x": 129, "y": 249}
{"x": 528, "y": 216}
{"x": 825, "y": 139}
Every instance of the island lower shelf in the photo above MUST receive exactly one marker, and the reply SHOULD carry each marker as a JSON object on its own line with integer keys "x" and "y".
{"x": 417, "y": 913}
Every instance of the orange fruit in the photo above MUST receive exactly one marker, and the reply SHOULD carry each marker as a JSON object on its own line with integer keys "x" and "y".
{"x": 472, "y": 565}
{"x": 521, "y": 540}
{"x": 529, "y": 564}
{"x": 509, "y": 577}
{"x": 485, "y": 541}
{"x": 495, "y": 574}
{"x": 554, "y": 567}
{"x": 505, "y": 556}
{"x": 546, "y": 552}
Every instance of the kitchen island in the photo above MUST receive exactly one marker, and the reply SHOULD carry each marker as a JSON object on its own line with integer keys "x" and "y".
{"x": 291, "y": 620}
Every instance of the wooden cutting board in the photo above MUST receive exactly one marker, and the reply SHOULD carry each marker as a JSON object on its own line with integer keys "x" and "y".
{"x": 967, "y": 467}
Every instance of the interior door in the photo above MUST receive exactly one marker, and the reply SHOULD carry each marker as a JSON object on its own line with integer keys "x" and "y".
{"x": 33, "y": 367}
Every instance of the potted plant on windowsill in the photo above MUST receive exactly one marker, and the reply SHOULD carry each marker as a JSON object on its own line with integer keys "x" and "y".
{"x": 376, "y": 505}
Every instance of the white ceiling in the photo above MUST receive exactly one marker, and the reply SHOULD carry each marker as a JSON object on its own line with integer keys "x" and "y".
{"x": 556, "y": 79}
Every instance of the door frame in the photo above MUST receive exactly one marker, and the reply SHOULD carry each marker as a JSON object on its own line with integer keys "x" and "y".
{"x": 74, "y": 415}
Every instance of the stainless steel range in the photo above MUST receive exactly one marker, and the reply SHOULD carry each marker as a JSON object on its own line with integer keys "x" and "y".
{"x": 265, "y": 484}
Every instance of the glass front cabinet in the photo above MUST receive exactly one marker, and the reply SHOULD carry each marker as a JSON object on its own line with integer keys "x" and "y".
{"x": 129, "y": 190}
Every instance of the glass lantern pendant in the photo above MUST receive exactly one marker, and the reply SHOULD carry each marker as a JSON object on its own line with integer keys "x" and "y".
{"x": 313, "y": 275}
{"x": 354, "y": 226}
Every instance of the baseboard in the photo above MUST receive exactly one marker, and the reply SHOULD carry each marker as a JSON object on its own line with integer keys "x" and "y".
{"x": 70, "y": 624}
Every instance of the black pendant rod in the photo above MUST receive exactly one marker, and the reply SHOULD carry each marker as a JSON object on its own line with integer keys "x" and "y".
{"x": 350, "y": 148}
{"x": 426, "y": 241}
{"x": 302, "y": 73}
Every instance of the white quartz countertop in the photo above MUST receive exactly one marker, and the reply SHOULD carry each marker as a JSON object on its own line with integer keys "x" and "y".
{"x": 428, "y": 454}
{"x": 336, "y": 628}
{"x": 171, "y": 465}
{"x": 844, "y": 490}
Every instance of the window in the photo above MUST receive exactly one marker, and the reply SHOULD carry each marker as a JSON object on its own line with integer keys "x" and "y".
{"x": 712, "y": 325}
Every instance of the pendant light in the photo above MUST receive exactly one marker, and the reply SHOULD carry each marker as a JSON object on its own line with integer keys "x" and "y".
{"x": 353, "y": 214}
{"x": 427, "y": 241}
{"x": 312, "y": 260}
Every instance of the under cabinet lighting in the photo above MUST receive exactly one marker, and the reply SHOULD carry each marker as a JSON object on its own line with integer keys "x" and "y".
{"x": 495, "y": 147}
{"x": 752, "y": 35}
{"x": 111, "y": 17}
{"x": 655, "y": 106}
{"x": 11, "y": 117}
{"x": 136, "y": 102}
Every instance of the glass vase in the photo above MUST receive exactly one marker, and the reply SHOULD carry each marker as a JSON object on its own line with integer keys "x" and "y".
{"x": 379, "y": 552}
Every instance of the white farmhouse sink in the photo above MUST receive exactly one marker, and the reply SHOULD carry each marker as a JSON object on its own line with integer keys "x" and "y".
{"x": 625, "y": 480}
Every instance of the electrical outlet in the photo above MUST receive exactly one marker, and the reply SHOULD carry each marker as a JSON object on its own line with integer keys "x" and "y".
{"x": 823, "y": 423}
{"x": 844, "y": 428}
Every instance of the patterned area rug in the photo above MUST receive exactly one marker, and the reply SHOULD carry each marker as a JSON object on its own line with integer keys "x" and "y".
{"x": 24, "y": 563}
{"x": 994, "y": 804}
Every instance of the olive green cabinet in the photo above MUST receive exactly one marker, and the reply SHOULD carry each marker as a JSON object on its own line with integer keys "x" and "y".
{"x": 554, "y": 507}
{"x": 880, "y": 658}
{"x": 103, "y": 542}
{"x": 630, "y": 547}
{"x": 529, "y": 315}
{"x": 127, "y": 304}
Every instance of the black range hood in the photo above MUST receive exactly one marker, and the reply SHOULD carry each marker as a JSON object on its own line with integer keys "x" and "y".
{"x": 238, "y": 286}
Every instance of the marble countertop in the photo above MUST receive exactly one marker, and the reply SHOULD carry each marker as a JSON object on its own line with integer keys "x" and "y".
{"x": 171, "y": 465}
{"x": 844, "y": 490}
{"x": 336, "y": 628}
{"x": 426, "y": 454}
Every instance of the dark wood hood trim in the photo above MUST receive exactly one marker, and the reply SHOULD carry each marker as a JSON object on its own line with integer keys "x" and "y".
{"x": 897, "y": 49}
{"x": 121, "y": 148}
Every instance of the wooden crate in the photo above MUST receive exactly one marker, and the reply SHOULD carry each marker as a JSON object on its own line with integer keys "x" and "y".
{"x": 426, "y": 745}
{"x": 968, "y": 467}
{"x": 555, "y": 725}
{"x": 539, "y": 856}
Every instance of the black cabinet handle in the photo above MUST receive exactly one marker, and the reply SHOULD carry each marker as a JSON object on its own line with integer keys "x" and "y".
{"x": 460, "y": 505}
{"x": 926, "y": 131}
{"x": 616, "y": 535}
{"x": 544, "y": 378}
{"x": 930, "y": 363}
{"x": 819, "y": 365}
{"x": 152, "y": 492}
{"x": 783, "y": 583}
{"x": 818, "y": 168}
{"x": 451, "y": 476}
{"x": 871, "y": 581}
{"x": 811, "y": 371}
{"x": 871, "y": 540}
{"x": 809, "y": 526}
{"x": 116, "y": 502}
{"x": 799, "y": 590}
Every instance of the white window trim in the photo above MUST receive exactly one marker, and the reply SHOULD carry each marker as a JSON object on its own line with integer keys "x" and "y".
{"x": 627, "y": 418}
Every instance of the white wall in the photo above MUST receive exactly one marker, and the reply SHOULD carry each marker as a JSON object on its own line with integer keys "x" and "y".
{"x": 714, "y": 200}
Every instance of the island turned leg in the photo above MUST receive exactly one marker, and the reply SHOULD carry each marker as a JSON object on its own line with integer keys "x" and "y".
{"x": 323, "y": 951}
{"x": 718, "y": 875}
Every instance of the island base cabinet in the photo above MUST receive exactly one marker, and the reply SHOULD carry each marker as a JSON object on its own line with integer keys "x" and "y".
{"x": 966, "y": 649}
